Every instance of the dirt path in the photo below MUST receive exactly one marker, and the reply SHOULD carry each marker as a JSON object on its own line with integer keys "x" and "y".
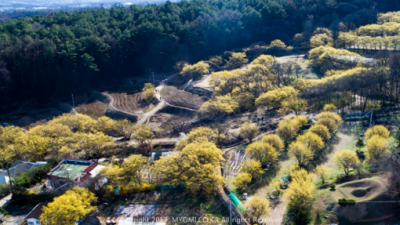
{"x": 145, "y": 116}
{"x": 278, "y": 206}
{"x": 278, "y": 209}
{"x": 180, "y": 107}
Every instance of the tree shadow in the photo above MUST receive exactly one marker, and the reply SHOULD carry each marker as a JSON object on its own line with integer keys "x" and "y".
{"x": 264, "y": 180}
{"x": 322, "y": 157}
{"x": 274, "y": 203}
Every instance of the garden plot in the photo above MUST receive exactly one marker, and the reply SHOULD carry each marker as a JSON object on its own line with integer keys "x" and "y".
{"x": 131, "y": 103}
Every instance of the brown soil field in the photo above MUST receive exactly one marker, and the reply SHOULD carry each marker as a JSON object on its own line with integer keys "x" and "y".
{"x": 169, "y": 117}
{"x": 95, "y": 106}
{"x": 98, "y": 105}
{"x": 181, "y": 98}
{"x": 132, "y": 103}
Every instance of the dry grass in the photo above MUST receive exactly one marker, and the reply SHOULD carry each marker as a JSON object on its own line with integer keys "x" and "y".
{"x": 181, "y": 98}
{"x": 203, "y": 82}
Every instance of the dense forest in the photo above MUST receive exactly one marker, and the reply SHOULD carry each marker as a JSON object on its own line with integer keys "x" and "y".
{"x": 47, "y": 57}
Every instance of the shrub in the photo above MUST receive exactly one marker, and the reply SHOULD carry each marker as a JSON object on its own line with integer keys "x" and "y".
{"x": 332, "y": 186}
{"x": 351, "y": 202}
{"x": 125, "y": 190}
{"x": 108, "y": 192}
{"x": 144, "y": 188}
{"x": 342, "y": 202}
{"x": 345, "y": 202}
{"x": 276, "y": 193}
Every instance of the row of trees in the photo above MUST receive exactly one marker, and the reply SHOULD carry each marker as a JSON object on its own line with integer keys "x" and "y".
{"x": 347, "y": 74}
{"x": 261, "y": 153}
{"x": 308, "y": 145}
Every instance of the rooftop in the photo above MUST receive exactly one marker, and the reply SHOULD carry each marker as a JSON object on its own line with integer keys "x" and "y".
{"x": 17, "y": 169}
{"x": 37, "y": 211}
{"x": 74, "y": 169}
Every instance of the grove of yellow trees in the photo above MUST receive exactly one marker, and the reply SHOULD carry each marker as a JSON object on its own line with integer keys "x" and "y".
{"x": 63, "y": 136}
{"x": 66, "y": 209}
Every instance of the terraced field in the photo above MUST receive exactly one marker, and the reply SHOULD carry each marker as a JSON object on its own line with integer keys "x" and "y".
{"x": 181, "y": 98}
{"x": 132, "y": 103}
{"x": 170, "y": 117}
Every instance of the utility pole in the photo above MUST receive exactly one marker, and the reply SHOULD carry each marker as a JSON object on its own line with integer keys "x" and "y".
{"x": 73, "y": 101}
{"x": 153, "y": 79}
{"x": 370, "y": 120}
{"x": 9, "y": 177}
{"x": 230, "y": 210}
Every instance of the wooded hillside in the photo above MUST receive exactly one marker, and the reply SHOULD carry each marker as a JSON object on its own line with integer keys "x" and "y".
{"x": 45, "y": 57}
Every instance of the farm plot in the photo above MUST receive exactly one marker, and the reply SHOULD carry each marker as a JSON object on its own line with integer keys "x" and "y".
{"x": 181, "y": 98}
{"x": 131, "y": 103}
{"x": 170, "y": 118}
{"x": 95, "y": 106}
